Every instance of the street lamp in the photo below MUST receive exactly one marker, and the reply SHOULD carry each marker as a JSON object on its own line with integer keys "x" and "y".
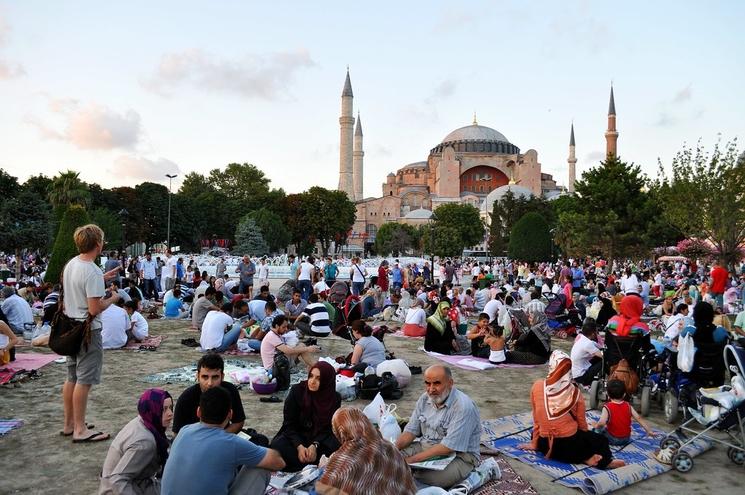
{"x": 168, "y": 232}
{"x": 123, "y": 214}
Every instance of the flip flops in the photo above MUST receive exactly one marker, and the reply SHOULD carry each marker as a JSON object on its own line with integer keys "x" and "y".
{"x": 87, "y": 425}
{"x": 273, "y": 398}
{"x": 98, "y": 436}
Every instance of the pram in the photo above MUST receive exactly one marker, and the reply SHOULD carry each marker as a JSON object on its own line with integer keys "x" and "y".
{"x": 351, "y": 310}
{"x": 637, "y": 351}
{"x": 560, "y": 319}
{"x": 716, "y": 410}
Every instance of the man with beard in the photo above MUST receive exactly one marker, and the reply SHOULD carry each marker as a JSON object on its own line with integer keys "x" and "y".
{"x": 446, "y": 421}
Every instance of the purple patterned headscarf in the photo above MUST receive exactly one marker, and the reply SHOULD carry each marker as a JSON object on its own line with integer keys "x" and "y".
{"x": 150, "y": 408}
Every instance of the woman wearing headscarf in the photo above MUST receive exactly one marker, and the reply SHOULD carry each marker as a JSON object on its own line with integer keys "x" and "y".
{"x": 365, "y": 464}
{"x": 628, "y": 321}
{"x": 139, "y": 451}
{"x": 533, "y": 346}
{"x": 559, "y": 424}
{"x": 440, "y": 336}
{"x": 606, "y": 311}
{"x": 709, "y": 340}
{"x": 306, "y": 433}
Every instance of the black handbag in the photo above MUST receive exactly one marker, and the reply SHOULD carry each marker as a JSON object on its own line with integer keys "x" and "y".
{"x": 68, "y": 335}
{"x": 281, "y": 370}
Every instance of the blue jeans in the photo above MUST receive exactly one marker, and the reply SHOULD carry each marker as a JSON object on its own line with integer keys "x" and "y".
{"x": 611, "y": 439}
{"x": 243, "y": 286}
{"x": 149, "y": 288}
{"x": 230, "y": 338}
{"x": 254, "y": 344}
{"x": 357, "y": 288}
{"x": 306, "y": 288}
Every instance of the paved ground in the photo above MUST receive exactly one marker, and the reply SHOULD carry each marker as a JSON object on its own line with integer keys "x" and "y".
{"x": 35, "y": 459}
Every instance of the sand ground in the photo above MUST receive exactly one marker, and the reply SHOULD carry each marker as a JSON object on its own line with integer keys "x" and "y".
{"x": 36, "y": 459}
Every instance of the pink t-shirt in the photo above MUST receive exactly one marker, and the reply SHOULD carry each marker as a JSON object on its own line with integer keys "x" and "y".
{"x": 270, "y": 342}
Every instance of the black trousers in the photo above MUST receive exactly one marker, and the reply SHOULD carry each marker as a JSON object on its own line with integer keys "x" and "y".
{"x": 578, "y": 448}
{"x": 284, "y": 446}
{"x": 592, "y": 372}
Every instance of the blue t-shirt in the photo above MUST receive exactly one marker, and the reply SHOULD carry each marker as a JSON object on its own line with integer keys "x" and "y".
{"x": 173, "y": 306}
{"x": 204, "y": 459}
{"x": 396, "y": 276}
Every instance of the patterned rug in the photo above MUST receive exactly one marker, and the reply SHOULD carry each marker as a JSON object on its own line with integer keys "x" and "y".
{"x": 6, "y": 425}
{"x": 471, "y": 363}
{"x": 511, "y": 483}
{"x": 152, "y": 341}
{"x": 234, "y": 369}
{"x": 503, "y": 435}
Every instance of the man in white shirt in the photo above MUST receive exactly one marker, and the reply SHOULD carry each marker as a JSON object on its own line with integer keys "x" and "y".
{"x": 263, "y": 273}
{"x": 305, "y": 277}
{"x": 629, "y": 283}
{"x": 218, "y": 330}
{"x": 357, "y": 273}
{"x": 170, "y": 270}
{"x": 587, "y": 358}
{"x": 115, "y": 323}
{"x": 492, "y": 308}
{"x": 148, "y": 274}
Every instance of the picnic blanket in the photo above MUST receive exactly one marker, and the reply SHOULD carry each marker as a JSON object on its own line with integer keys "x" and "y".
{"x": 151, "y": 341}
{"x": 510, "y": 483}
{"x": 26, "y": 361}
{"x": 6, "y": 425}
{"x": 474, "y": 363}
{"x": 233, "y": 368}
{"x": 505, "y": 434}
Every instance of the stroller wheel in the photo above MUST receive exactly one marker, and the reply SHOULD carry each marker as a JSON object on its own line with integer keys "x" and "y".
{"x": 736, "y": 455}
{"x": 682, "y": 461}
{"x": 671, "y": 407}
{"x": 594, "y": 394}
{"x": 670, "y": 442}
{"x": 645, "y": 400}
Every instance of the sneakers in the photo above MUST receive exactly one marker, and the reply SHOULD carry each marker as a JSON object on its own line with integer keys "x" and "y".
{"x": 489, "y": 469}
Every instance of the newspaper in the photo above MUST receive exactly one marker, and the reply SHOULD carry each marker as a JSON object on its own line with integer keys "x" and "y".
{"x": 437, "y": 463}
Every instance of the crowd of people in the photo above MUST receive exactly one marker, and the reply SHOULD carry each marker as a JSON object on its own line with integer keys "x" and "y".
{"x": 505, "y": 312}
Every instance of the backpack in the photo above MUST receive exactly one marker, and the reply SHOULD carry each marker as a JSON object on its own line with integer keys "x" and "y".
{"x": 281, "y": 370}
{"x": 623, "y": 372}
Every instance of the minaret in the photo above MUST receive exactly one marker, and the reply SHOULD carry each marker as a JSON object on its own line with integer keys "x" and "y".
{"x": 572, "y": 161}
{"x": 358, "y": 154}
{"x": 611, "y": 135}
{"x": 346, "y": 123}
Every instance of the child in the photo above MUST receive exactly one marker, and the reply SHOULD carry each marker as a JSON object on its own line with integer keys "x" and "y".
{"x": 139, "y": 330}
{"x": 477, "y": 334}
{"x": 615, "y": 419}
{"x": 495, "y": 340}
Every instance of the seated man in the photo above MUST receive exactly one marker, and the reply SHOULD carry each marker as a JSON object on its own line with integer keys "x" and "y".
{"x": 219, "y": 331}
{"x": 202, "y": 306}
{"x": 264, "y": 294}
{"x": 295, "y": 306}
{"x": 274, "y": 341}
{"x": 17, "y": 311}
{"x": 115, "y": 287}
{"x": 587, "y": 358}
{"x": 139, "y": 329}
{"x": 446, "y": 421}
{"x": 257, "y": 334}
{"x": 114, "y": 325}
{"x": 205, "y": 458}
{"x": 314, "y": 320}
{"x": 133, "y": 291}
{"x": 173, "y": 307}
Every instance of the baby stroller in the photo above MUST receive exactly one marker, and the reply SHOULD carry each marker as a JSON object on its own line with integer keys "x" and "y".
{"x": 636, "y": 351}
{"x": 721, "y": 409}
{"x": 560, "y": 319}
{"x": 680, "y": 388}
{"x": 350, "y": 311}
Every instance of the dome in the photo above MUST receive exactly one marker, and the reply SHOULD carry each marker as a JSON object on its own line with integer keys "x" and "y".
{"x": 414, "y": 165}
{"x": 420, "y": 214}
{"x": 475, "y": 132}
{"x": 498, "y": 193}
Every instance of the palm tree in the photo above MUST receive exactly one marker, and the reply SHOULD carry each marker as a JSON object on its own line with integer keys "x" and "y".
{"x": 67, "y": 189}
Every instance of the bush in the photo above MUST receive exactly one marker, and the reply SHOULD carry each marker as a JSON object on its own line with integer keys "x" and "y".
{"x": 64, "y": 247}
{"x": 530, "y": 239}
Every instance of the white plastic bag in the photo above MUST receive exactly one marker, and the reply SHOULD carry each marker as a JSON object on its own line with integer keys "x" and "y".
{"x": 291, "y": 339}
{"x": 388, "y": 425}
{"x": 375, "y": 409}
{"x": 346, "y": 387}
{"x": 398, "y": 368}
{"x": 686, "y": 352}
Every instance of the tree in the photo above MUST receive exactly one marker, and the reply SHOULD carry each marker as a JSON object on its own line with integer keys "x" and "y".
{"x": 67, "y": 189}
{"x": 507, "y": 211}
{"x": 150, "y": 221}
{"x": 530, "y": 239}
{"x": 245, "y": 184}
{"x": 703, "y": 197}
{"x": 8, "y": 185}
{"x": 195, "y": 184}
{"x": 248, "y": 238}
{"x": 64, "y": 246}
{"x": 442, "y": 241}
{"x": 319, "y": 215}
{"x": 275, "y": 232}
{"x": 464, "y": 221}
{"x": 110, "y": 223}
{"x": 395, "y": 238}
{"x": 38, "y": 185}
{"x": 24, "y": 224}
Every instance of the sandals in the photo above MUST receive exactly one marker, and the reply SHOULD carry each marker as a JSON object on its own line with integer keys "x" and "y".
{"x": 98, "y": 436}
{"x": 87, "y": 425}
{"x": 664, "y": 456}
{"x": 147, "y": 348}
{"x": 273, "y": 398}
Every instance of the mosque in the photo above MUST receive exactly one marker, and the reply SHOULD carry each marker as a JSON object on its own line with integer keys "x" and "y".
{"x": 474, "y": 165}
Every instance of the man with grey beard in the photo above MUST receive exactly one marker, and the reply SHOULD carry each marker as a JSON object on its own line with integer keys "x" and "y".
{"x": 445, "y": 421}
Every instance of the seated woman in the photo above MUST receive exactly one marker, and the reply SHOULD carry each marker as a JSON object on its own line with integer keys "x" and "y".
{"x": 365, "y": 463}
{"x": 533, "y": 345}
{"x": 440, "y": 336}
{"x": 139, "y": 451}
{"x": 368, "y": 306}
{"x": 415, "y": 324}
{"x": 628, "y": 322}
{"x": 559, "y": 425}
{"x": 708, "y": 362}
{"x": 368, "y": 350}
{"x": 306, "y": 433}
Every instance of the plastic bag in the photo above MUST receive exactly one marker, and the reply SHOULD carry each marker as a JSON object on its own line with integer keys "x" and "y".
{"x": 346, "y": 387}
{"x": 686, "y": 352}
{"x": 398, "y": 368}
{"x": 291, "y": 338}
{"x": 388, "y": 425}
{"x": 375, "y": 409}
{"x": 40, "y": 330}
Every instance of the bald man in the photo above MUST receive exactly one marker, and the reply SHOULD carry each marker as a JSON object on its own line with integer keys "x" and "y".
{"x": 446, "y": 421}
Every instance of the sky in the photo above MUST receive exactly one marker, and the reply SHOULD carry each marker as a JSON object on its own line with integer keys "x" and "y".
{"x": 125, "y": 92}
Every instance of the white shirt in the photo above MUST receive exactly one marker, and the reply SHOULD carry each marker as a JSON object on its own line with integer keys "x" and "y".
{"x": 630, "y": 284}
{"x": 358, "y": 273}
{"x": 475, "y": 270}
{"x": 213, "y": 329}
{"x": 305, "y": 271}
{"x": 492, "y": 308}
{"x": 115, "y": 322}
{"x": 263, "y": 271}
{"x": 141, "y": 328}
{"x": 582, "y": 351}
{"x": 673, "y": 326}
{"x": 416, "y": 316}
{"x": 167, "y": 296}
{"x": 171, "y": 267}
{"x": 320, "y": 286}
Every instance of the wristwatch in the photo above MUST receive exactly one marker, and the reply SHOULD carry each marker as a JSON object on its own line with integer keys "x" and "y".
{"x": 315, "y": 444}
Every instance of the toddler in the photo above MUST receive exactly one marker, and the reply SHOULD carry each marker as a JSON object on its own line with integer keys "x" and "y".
{"x": 615, "y": 419}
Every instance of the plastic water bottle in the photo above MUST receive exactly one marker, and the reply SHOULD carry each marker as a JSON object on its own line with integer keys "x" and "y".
{"x": 28, "y": 334}
{"x": 369, "y": 371}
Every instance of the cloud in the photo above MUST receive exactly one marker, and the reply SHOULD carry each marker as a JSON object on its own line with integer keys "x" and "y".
{"x": 595, "y": 156}
{"x": 8, "y": 70}
{"x": 442, "y": 91}
{"x": 91, "y": 126}
{"x": 683, "y": 95}
{"x": 250, "y": 76}
{"x": 665, "y": 119}
{"x": 140, "y": 169}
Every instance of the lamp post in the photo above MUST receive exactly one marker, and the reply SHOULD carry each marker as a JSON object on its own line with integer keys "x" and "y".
{"x": 168, "y": 229}
{"x": 123, "y": 214}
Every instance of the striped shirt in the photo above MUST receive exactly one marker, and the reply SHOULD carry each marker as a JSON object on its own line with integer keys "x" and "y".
{"x": 319, "y": 317}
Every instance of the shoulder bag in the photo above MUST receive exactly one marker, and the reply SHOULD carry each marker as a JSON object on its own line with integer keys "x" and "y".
{"x": 68, "y": 335}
